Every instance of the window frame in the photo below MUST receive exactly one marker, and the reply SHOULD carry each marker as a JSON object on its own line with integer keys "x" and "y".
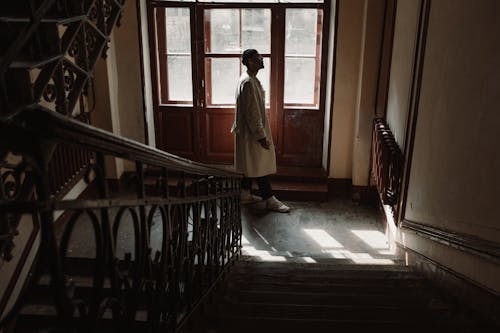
{"x": 198, "y": 55}
{"x": 159, "y": 67}
{"x": 206, "y": 56}
{"x": 318, "y": 57}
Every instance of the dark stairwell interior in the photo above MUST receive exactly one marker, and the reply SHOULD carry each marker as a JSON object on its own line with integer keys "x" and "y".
{"x": 177, "y": 252}
{"x": 323, "y": 267}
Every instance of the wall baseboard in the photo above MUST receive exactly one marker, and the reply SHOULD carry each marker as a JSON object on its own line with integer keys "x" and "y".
{"x": 339, "y": 186}
{"x": 474, "y": 245}
{"x": 482, "y": 301}
{"x": 364, "y": 194}
{"x": 343, "y": 187}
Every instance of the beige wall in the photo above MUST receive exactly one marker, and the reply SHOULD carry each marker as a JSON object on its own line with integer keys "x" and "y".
{"x": 359, "y": 38}
{"x": 403, "y": 54}
{"x": 128, "y": 75}
{"x": 373, "y": 24}
{"x": 119, "y": 103}
{"x": 454, "y": 180}
{"x": 349, "y": 34}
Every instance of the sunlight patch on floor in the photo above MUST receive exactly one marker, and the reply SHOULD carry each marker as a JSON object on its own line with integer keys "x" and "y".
{"x": 361, "y": 258}
{"x": 309, "y": 260}
{"x": 323, "y": 238}
{"x": 376, "y": 240}
{"x": 263, "y": 255}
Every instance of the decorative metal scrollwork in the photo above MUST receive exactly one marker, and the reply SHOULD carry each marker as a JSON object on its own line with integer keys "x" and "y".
{"x": 83, "y": 40}
{"x": 8, "y": 231}
{"x": 90, "y": 39}
{"x": 106, "y": 9}
{"x": 183, "y": 232}
{"x": 50, "y": 92}
{"x": 69, "y": 78}
{"x": 93, "y": 13}
{"x": 14, "y": 186}
{"x": 75, "y": 48}
{"x": 12, "y": 177}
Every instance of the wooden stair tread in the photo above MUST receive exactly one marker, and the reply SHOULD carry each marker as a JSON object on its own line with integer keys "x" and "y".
{"x": 331, "y": 311}
{"x": 324, "y": 298}
{"x": 278, "y": 324}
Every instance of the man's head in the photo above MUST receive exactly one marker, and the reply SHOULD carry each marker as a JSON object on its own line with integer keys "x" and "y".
{"x": 253, "y": 60}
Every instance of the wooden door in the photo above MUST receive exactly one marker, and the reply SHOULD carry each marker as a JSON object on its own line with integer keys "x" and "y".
{"x": 227, "y": 32}
{"x": 176, "y": 109}
{"x": 300, "y": 85}
{"x": 290, "y": 39}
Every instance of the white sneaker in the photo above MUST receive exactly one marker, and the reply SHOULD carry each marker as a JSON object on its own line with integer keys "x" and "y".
{"x": 274, "y": 204}
{"x": 247, "y": 197}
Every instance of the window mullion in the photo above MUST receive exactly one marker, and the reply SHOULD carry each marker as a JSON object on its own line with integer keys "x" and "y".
{"x": 317, "y": 71}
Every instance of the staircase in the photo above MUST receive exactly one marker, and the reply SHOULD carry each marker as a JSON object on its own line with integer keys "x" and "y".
{"x": 39, "y": 313}
{"x": 182, "y": 238}
{"x": 329, "y": 295}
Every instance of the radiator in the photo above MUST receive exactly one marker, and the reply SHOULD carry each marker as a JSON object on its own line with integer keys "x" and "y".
{"x": 387, "y": 163}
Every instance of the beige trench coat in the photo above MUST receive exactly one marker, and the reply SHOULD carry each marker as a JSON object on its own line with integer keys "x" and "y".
{"x": 251, "y": 124}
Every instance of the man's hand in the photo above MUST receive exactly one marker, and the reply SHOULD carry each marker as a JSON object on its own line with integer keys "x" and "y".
{"x": 264, "y": 142}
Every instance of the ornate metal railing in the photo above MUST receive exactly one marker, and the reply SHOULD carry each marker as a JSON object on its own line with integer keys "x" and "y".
{"x": 387, "y": 163}
{"x": 49, "y": 49}
{"x": 183, "y": 228}
{"x": 135, "y": 260}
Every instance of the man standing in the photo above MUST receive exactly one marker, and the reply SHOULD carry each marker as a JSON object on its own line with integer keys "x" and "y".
{"x": 254, "y": 148}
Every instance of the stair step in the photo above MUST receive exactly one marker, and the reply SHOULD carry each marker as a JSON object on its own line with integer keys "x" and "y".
{"x": 43, "y": 294}
{"x": 43, "y": 317}
{"x": 325, "y": 298}
{"x": 276, "y": 256}
{"x": 378, "y": 276}
{"x": 348, "y": 288}
{"x": 277, "y": 324}
{"x": 329, "y": 312}
{"x": 338, "y": 265}
{"x": 300, "y": 190}
{"x": 357, "y": 284}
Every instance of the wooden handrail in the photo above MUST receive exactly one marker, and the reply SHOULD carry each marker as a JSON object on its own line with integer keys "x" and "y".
{"x": 44, "y": 123}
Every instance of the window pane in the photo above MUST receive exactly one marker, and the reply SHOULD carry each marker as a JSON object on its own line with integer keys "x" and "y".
{"x": 178, "y": 30}
{"x": 301, "y": 31}
{"x": 180, "y": 86}
{"x": 256, "y": 30}
{"x": 224, "y": 31}
{"x": 224, "y": 73}
{"x": 300, "y": 80}
{"x": 303, "y": 1}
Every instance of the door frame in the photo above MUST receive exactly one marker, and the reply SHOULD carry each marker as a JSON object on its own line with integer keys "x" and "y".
{"x": 198, "y": 92}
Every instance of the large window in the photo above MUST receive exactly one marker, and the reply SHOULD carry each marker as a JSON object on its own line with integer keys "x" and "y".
{"x": 228, "y": 32}
{"x": 302, "y": 56}
{"x": 174, "y": 55}
{"x": 196, "y": 62}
